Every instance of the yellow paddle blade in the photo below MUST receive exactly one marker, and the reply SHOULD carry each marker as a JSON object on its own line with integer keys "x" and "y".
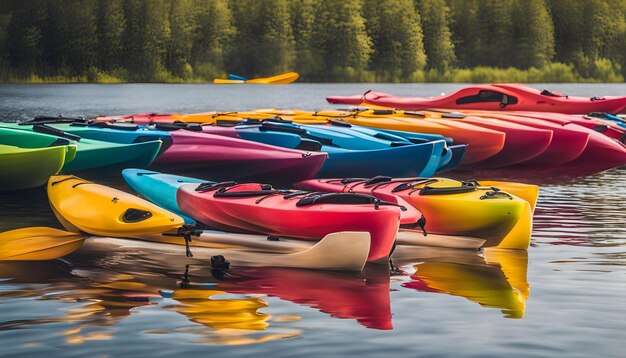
{"x": 37, "y": 243}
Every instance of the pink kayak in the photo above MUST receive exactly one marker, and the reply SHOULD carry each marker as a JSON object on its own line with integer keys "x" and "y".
{"x": 494, "y": 97}
{"x": 218, "y": 157}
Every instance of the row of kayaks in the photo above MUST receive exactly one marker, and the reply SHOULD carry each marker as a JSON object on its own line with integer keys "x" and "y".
{"x": 268, "y": 151}
{"x": 289, "y": 146}
{"x": 560, "y": 144}
{"x": 354, "y": 220}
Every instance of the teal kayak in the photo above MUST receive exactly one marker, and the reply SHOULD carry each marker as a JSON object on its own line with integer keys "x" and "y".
{"x": 90, "y": 153}
{"x": 159, "y": 188}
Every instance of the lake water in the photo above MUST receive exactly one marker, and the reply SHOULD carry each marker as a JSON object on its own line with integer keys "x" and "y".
{"x": 566, "y": 296}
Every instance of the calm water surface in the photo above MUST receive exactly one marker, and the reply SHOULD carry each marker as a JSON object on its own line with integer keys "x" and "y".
{"x": 564, "y": 297}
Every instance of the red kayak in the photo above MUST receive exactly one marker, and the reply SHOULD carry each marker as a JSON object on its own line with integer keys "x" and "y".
{"x": 222, "y": 158}
{"x": 522, "y": 143}
{"x": 262, "y": 209}
{"x": 607, "y": 128}
{"x": 567, "y": 143}
{"x": 599, "y": 152}
{"x": 494, "y": 97}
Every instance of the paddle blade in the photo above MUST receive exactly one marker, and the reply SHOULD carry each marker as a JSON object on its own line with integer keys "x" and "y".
{"x": 37, "y": 243}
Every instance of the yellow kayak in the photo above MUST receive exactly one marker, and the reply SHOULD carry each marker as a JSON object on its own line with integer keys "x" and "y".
{"x": 84, "y": 206}
{"x": 450, "y": 207}
{"x": 281, "y": 79}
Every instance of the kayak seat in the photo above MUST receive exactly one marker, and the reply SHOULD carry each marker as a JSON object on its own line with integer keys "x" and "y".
{"x": 552, "y": 93}
{"x": 309, "y": 145}
{"x": 488, "y": 96}
{"x": 135, "y": 215}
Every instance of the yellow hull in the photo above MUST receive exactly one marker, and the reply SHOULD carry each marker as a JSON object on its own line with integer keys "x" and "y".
{"x": 519, "y": 237}
{"x": 99, "y": 210}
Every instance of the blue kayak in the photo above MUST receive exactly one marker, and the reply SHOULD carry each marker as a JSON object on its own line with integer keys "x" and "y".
{"x": 159, "y": 188}
{"x": 451, "y": 154}
{"x": 350, "y": 152}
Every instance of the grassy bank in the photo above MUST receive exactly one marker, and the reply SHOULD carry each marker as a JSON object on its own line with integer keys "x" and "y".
{"x": 601, "y": 71}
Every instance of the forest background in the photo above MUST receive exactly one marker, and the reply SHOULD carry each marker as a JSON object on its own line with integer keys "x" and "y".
{"x": 110, "y": 41}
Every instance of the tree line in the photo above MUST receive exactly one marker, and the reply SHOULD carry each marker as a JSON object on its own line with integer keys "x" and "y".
{"x": 323, "y": 40}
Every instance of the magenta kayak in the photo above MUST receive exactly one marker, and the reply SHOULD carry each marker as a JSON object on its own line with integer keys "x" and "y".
{"x": 218, "y": 157}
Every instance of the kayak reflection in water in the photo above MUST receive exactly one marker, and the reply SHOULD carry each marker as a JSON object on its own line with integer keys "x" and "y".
{"x": 497, "y": 279}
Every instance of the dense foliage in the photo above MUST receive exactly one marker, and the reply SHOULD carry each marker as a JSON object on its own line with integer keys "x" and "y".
{"x": 324, "y": 40}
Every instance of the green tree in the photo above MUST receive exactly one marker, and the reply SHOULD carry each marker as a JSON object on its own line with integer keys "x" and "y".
{"x": 5, "y": 19}
{"x": 394, "y": 27}
{"x": 302, "y": 19}
{"x": 465, "y": 27}
{"x": 212, "y": 37}
{"x": 533, "y": 34}
{"x": 25, "y": 36}
{"x": 339, "y": 40}
{"x": 71, "y": 38}
{"x": 146, "y": 35}
{"x": 180, "y": 42}
{"x": 437, "y": 35}
{"x": 495, "y": 41}
{"x": 264, "y": 43}
{"x": 111, "y": 25}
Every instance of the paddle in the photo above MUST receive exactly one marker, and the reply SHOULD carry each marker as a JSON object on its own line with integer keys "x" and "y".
{"x": 38, "y": 243}
{"x": 337, "y": 251}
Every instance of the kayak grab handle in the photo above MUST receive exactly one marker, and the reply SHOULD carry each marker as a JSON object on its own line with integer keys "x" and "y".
{"x": 427, "y": 190}
{"x": 344, "y": 198}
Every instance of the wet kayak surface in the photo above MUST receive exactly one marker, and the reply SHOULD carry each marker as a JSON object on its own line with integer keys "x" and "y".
{"x": 565, "y": 296}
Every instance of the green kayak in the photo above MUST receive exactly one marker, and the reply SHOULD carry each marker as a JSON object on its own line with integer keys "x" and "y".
{"x": 90, "y": 154}
{"x": 30, "y": 165}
